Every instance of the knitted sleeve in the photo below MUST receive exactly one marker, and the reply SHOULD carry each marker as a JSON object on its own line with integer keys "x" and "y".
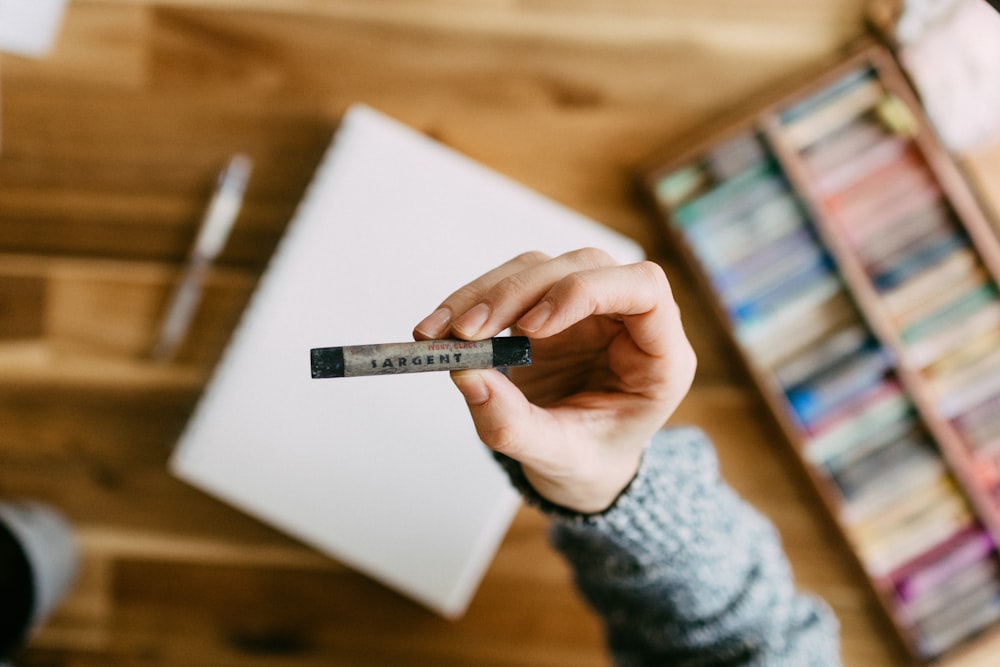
{"x": 683, "y": 572}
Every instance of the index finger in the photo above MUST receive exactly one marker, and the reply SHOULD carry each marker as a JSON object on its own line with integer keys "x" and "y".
{"x": 637, "y": 294}
{"x": 438, "y": 323}
{"x": 500, "y": 304}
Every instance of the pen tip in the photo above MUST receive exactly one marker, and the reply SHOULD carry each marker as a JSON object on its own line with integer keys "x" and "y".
{"x": 240, "y": 166}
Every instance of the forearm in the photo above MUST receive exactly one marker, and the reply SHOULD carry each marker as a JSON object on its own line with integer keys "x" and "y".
{"x": 684, "y": 572}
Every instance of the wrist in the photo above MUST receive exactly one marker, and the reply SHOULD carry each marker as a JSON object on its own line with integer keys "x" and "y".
{"x": 583, "y": 497}
{"x": 576, "y": 494}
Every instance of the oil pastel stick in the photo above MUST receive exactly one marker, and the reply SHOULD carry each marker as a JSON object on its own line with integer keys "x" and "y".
{"x": 419, "y": 357}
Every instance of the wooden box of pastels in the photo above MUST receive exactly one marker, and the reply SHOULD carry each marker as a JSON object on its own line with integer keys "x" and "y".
{"x": 856, "y": 275}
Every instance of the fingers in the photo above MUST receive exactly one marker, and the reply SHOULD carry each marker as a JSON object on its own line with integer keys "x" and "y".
{"x": 495, "y": 301}
{"x": 544, "y": 296}
{"x": 638, "y": 294}
{"x": 505, "y": 421}
{"x": 438, "y": 324}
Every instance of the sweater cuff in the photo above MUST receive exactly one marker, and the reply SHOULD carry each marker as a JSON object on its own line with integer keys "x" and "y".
{"x": 666, "y": 467}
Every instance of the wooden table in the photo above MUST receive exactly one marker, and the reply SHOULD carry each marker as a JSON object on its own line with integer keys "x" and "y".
{"x": 110, "y": 150}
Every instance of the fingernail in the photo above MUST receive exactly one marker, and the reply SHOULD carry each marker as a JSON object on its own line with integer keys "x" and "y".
{"x": 472, "y": 386}
{"x": 436, "y": 324}
{"x": 472, "y": 321}
{"x": 534, "y": 319}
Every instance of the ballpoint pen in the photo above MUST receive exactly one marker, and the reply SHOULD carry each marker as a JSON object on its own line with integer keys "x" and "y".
{"x": 212, "y": 235}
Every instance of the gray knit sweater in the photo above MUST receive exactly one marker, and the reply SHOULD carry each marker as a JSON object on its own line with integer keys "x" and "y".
{"x": 685, "y": 573}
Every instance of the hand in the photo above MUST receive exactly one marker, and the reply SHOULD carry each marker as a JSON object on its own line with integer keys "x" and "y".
{"x": 611, "y": 364}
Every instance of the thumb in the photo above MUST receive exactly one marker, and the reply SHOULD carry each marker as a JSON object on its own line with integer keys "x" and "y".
{"x": 501, "y": 413}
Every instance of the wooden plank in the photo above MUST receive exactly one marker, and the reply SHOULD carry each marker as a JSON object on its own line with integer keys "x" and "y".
{"x": 98, "y": 44}
{"x": 110, "y": 309}
{"x": 130, "y": 577}
{"x": 99, "y": 426}
{"x": 148, "y": 201}
{"x": 478, "y": 91}
{"x": 765, "y": 25}
{"x": 22, "y": 307}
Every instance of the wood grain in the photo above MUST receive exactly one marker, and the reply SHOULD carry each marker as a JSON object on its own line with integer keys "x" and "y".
{"x": 111, "y": 145}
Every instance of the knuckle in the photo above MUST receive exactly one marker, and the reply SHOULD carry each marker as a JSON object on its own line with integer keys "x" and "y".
{"x": 577, "y": 291}
{"x": 591, "y": 257}
{"x": 516, "y": 283}
{"x": 466, "y": 294}
{"x": 654, "y": 273}
{"x": 576, "y": 285}
{"x": 655, "y": 279}
{"x": 500, "y": 438}
{"x": 531, "y": 258}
